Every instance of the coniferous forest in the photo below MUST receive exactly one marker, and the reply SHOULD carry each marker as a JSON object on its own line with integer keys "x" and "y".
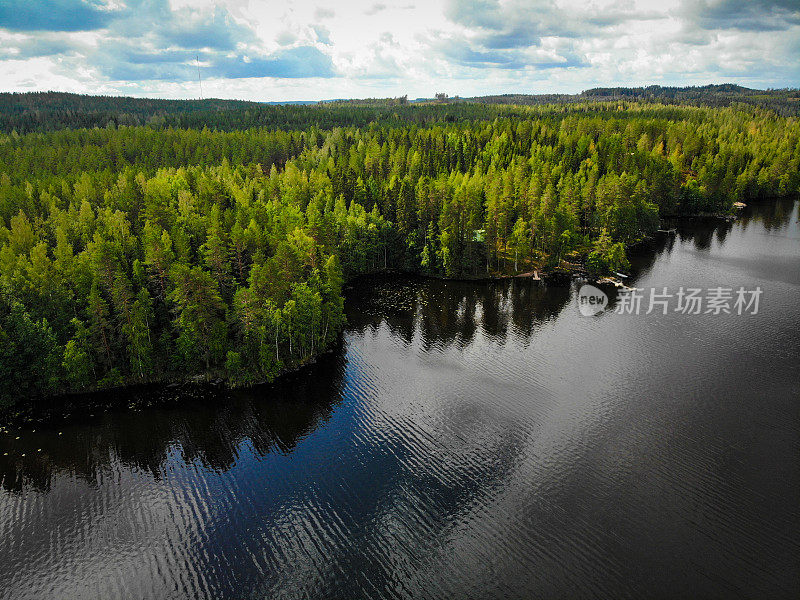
{"x": 215, "y": 241}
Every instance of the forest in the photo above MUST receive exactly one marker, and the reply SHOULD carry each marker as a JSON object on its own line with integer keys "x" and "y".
{"x": 215, "y": 243}
{"x": 785, "y": 102}
{"x": 48, "y": 111}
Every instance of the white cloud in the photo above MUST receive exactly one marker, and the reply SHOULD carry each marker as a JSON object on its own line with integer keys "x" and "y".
{"x": 313, "y": 50}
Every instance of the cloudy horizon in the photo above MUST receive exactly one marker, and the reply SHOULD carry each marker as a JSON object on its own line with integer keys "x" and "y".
{"x": 311, "y": 50}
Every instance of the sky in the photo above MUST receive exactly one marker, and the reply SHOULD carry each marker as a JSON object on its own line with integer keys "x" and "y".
{"x": 314, "y": 50}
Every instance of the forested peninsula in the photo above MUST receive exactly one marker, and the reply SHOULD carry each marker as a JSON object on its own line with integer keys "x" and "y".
{"x": 214, "y": 241}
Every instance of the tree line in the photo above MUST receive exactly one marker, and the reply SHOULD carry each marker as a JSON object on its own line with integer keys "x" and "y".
{"x": 783, "y": 102}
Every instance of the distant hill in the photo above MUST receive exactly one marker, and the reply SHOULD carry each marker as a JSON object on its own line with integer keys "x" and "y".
{"x": 47, "y": 111}
{"x": 35, "y": 111}
{"x": 54, "y": 101}
{"x": 785, "y": 102}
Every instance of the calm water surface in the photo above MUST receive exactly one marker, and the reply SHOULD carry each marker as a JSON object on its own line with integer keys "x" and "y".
{"x": 467, "y": 441}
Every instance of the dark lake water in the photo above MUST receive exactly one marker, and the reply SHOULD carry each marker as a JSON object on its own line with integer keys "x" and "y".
{"x": 468, "y": 440}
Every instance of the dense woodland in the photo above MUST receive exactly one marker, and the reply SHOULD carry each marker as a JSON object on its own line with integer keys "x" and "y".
{"x": 210, "y": 244}
{"x": 48, "y": 111}
{"x": 785, "y": 102}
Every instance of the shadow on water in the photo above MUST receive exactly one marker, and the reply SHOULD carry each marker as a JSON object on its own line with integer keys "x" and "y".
{"x": 773, "y": 215}
{"x": 450, "y": 312}
{"x": 208, "y": 424}
{"x": 206, "y": 428}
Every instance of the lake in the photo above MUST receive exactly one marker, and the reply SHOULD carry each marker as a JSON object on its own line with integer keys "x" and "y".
{"x": 466, "y": 440}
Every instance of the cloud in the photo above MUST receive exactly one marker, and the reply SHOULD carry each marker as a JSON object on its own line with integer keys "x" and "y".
{"x": 375, "y": 9}
{"x": 516, "y": 37}
{"x": 161, "y": 44}
{"x": 742, "y": 15}
{"x": 122, "y": 60}
{"x": 185, "y": 27}
{"x": 303, "y": 61}
{"x": 323, "y": 34}
{"x": 127, "y": 63}
{"x": 34, "y": 47}
{"x": 485, "y": 14}
{"x": 286, "y": 38}
{"x": 55, "y": 15}
{"x": 519, "y": 23}
{"x": 618, "y": 16}
{"x": 147, "y": 71}
{"x": 378, "y": 63}
{"x": 148, "y": 40}
{"x": 218, "y": 30}
{"x": 323, "y": 13}
{"x": 511, "y": 35}
{"x": 693, "y": 37}
{"x": 462, "y": 53}
{"x": 468, "y": 46}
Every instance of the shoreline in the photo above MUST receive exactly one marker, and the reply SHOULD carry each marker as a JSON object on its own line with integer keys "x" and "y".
{"x": 135, "y": 396}
{"x": 175, "y": 389}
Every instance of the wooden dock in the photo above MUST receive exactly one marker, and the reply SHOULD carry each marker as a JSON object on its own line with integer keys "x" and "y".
{"x": 532, "y": 275}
